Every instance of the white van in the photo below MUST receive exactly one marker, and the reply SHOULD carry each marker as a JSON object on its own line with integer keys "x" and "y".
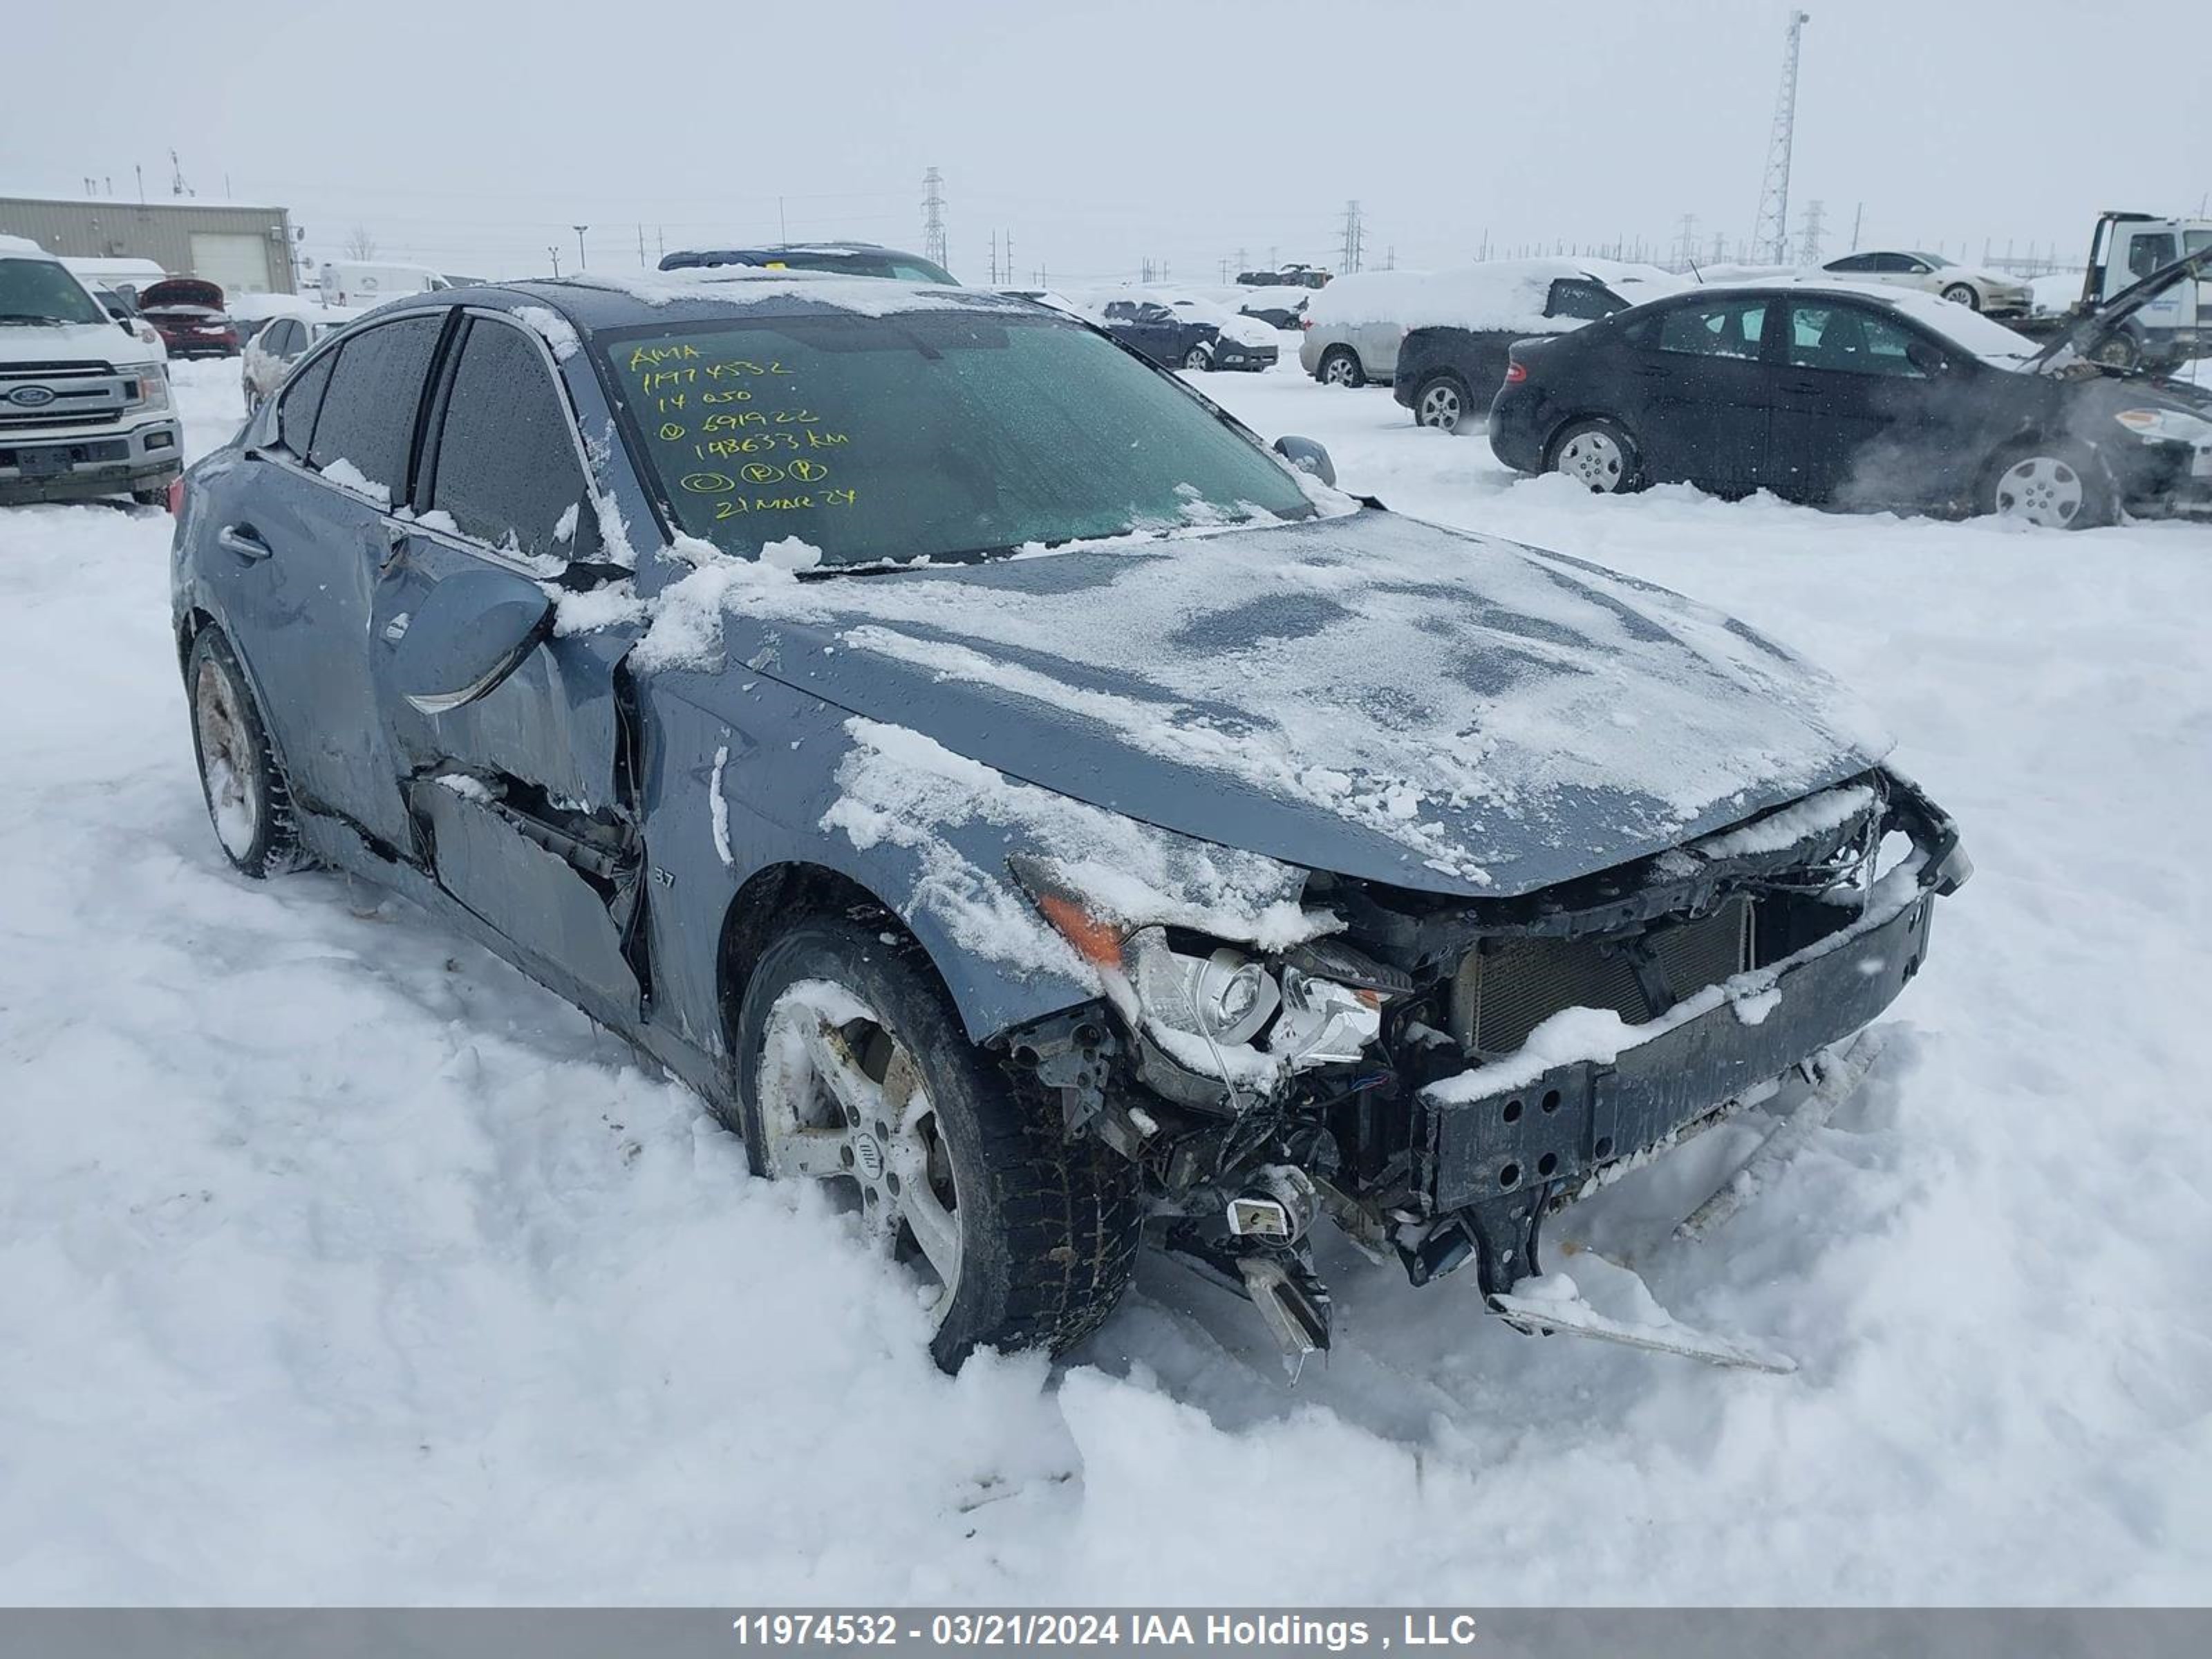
{"x": 84, "y": 403}
{"x": 351, "y": 283}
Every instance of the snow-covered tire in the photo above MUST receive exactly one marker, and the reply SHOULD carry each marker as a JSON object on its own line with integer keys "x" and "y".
{"x": 1963, "y": 294}
{"x": 1340, "y": 366}
{"x": 248, "y": 801}
{"x": 1047, "y": 1228}
{"x": 1598, "y": 454}
{"x": 1442, "y": 401}
{"x": 2059, "y": 486}
{"x": 1197, "y": 358}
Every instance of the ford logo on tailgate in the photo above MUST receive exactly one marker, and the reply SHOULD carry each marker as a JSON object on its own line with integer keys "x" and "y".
{"x": 32, "y": 396}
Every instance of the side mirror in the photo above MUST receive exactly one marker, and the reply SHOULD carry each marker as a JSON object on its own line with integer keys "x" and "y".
{"x": 1307, "y": 456}
{"x": 1925, "y": 358}
{"x": 124, "y": 323}
{"x": 471, "y": 631}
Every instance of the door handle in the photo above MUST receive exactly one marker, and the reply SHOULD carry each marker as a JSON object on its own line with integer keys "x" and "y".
{"x": 243, "y": 540}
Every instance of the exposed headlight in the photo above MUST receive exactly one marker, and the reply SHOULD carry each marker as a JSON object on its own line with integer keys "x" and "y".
{"x": 2166, "y": 425}
{"x": 1217, "y": 994}
{"x": 153, "y": 383}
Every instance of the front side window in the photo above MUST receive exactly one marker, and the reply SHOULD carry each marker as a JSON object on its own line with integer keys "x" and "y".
{"x": 506, "y": 467}
{"x": 1849, "y": 340}
{"x": 368, "y": 418}
{"x": 1572, "y": 296}
{"x": 38, "y": 293}
{"x": 943, "y": 435}
{"x": 2146, "y": 253}
{"x": 1720, "y": 331}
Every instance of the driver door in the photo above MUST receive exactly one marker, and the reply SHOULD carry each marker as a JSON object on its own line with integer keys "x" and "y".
{"x": 520, "y": 793}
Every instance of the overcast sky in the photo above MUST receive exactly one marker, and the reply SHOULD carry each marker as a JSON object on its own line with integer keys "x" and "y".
{"x": 470, "y": 137}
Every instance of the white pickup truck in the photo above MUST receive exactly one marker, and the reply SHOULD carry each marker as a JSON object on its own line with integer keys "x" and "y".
{"x": 84, "y": 404}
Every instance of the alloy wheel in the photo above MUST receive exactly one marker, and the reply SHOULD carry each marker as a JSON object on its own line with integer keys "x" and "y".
{"x": 842, "y": 1099}
{"x": 1337, "y": 371}
{"x": 1440, "y": 407}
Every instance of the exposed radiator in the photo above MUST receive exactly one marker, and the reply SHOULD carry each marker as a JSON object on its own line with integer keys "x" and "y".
{"x": 1505, "y": 988}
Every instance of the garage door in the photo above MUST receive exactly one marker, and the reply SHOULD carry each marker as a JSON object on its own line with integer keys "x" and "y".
{"x": 237, "y": 261}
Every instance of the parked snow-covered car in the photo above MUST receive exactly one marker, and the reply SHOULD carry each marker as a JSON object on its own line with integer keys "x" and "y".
{"x": 1447, "y": 372}
{"x": 1970, "y": 286}
{"x": 839, "y": 259}
{"x": 1187, "y": 330}
{"x": 84, "y": 403}
{"x": 188, "y": 314}
{"x": 1354, "y": 328}
{"x": 1237, "y": 855}
{"x": 1861, "y": 397}
{"x": 280, "y": 342}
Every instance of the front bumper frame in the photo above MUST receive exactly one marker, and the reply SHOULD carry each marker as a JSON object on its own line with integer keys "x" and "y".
{"x": 1490, "y": 1167}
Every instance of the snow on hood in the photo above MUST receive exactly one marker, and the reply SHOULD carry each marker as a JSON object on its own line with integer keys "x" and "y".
{"x": 74, "y": 343}
{"x": 1367, "y": 695}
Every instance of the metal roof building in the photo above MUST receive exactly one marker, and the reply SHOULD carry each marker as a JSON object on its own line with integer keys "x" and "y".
{"x": 243, "y": 250}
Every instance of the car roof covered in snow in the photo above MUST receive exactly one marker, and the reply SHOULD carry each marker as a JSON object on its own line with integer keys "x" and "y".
{"x": 592, "y": 302}
{"x": 1965, "y": 328}
{"x": 1497, "y": 294}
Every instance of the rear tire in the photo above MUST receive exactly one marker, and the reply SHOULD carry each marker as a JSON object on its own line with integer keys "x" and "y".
{"x": 248, "y": 801}
{"x": 1339, "y": 365}
{"x": 1598, "y": 454}
{"x": 2058, "y": 486}
{"x": 1197, "y": 358}
{"x": 1964, "y": 294}
{"x": 1028, "y": 1239}
{"x": 1441, "y": 402}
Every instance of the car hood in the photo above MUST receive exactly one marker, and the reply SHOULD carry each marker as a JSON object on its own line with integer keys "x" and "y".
{"x": 181, "y": 291}
{"x": 70, "y": 343}
{"x": 1365, "y": 694}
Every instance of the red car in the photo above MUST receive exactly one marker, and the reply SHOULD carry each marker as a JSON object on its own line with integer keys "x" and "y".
{"x": 188, "y": 314}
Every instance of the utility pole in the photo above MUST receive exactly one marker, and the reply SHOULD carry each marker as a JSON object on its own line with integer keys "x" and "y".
{"x": 553, "y": 250}
{"x": 1010, "y": 254}
{"x": 641, "y": 244}
{"x": 1350, "y": 261}
{"x": 579, "y": 230}
{"x": 1858, "y": 219}
{"x": 994, "y": 258}
{"x": 932, "y": 216}
{"x": 1771, "y": 239}
{"x": 1808, "y": 237}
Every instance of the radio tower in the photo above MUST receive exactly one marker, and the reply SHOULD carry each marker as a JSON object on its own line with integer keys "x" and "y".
{"x": 1770, "y": 240}
{"x": 932, "y": 222}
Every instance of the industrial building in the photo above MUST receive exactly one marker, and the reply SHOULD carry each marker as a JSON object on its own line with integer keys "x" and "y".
{"x": 242, "y": 250}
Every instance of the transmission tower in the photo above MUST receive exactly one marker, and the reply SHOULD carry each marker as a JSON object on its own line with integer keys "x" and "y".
{"x": 932, "y": 220}
{"x": 1350, "y": 261}
{"x": 1808, "y": 235}
{"x": 1686, "y": 242}
{"x": 1770, "y": 240}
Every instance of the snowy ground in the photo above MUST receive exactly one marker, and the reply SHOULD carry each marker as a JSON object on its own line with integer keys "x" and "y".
{"x": 338, "y": 1263}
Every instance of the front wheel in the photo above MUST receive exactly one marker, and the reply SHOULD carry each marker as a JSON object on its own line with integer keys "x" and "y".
{"x": 1963, "y": 294}
{"x": 248, "y": 801}
{"x": 2059, "y": 487}
{"x": 1599, "y": 455}
{"x": 1440, "y": 401}
{"x": 853, "y": 1069}
{"x": 1339, "y": 365}
{"x": 1198, "y": 357}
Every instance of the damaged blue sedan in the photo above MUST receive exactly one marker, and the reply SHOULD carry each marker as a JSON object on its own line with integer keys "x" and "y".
{"x": 1006, "y": 790}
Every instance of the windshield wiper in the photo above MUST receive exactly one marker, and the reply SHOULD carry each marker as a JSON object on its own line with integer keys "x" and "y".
{"x": 27, "y": 316}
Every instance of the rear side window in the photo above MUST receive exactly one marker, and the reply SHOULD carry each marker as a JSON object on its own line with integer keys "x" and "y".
{"x": 1724, "y": 330}
{"x": 506, "y": 468}
{"x": 303, "y": 397}
{"x": 368, "y": 418}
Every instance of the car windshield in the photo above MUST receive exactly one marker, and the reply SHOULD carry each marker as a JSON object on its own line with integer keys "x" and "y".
{"x": 942, "y": 435}
{"x": 39, "y": 291}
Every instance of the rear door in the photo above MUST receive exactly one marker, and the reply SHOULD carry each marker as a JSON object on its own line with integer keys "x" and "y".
{"x": 1700, "y": 391}
{"x": 301, "y": 537}
{"x": 519, "y": 794}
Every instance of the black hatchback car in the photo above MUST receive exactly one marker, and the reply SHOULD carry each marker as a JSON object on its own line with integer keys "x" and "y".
{"x": 1856, "y": 399}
